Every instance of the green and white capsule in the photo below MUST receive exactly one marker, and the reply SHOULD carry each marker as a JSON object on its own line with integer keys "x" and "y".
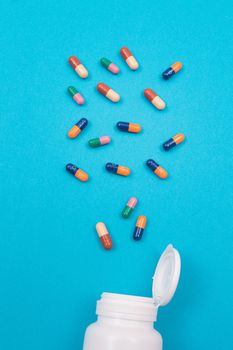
{"x": 99, "y": 141}
{"x": 127, "y": 211}
{"x": 106, "y": 63}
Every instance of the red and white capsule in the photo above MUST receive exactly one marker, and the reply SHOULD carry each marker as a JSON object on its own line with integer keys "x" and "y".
{"x": 108, "y": 92}
{"x": 104, "y": 235}
{"x": 129, "y": 58}
{"x": 78, "y": 67}
{"x": 154, "y": 99}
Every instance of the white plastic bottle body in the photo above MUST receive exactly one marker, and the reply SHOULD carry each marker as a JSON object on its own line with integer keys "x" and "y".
{"x": 98, "y": 337}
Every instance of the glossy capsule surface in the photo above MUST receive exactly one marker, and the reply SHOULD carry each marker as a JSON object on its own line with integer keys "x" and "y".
{"x": 139, "y": 228}
{"x": 175, "y": 68}
{"x": 78, "y": 67}
{"x": 77, "y": 97}
{"x": 99, "y": 141}
{"x": 174, "y": 141}
{"x": 157, "y": 169}
{"x": 128, "y": 209}
{"x": 129, "y": 127}
{"x": 104, "y": 235}
{"x": 78, "y": 173}
{"x": 109, "y": 65}
{"x": 108, "y": 92}
{"x": 77, "y": 128}
{"x": 117, "y": 169}
{"x": 129, "y": 58}
{"x": 154, "y": 99}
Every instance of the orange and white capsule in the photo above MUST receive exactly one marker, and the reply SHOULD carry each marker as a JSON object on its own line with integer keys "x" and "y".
{"x": 108, "y": 92}
{"x": 104, "y": 235}
{"x": 78, "y": 67}
{"x": 154, "y": 99}
{"x": 129, "y": 58}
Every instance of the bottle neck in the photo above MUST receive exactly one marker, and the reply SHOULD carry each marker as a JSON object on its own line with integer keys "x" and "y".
{"x": 120, "y": 322}
{"x": 126, "y": 308}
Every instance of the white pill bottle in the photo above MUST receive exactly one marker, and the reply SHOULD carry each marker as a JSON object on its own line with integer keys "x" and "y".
{"x": 126, "y": 322}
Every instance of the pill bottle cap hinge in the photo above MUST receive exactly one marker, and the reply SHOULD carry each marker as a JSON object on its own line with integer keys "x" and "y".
{"x": 166, "y": 276}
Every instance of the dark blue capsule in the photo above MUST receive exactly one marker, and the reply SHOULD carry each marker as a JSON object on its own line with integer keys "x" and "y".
{"x": 152, "y": 164}
{"x": 123, "y": 126}
{"x": 82, "y": 123}
{"x": 168, "y": 73}
{"x": 169, "y": 144}
{"x": 71, "y": 168}
{"x": 138, "y": 232}
{"x": 111, "y": 167}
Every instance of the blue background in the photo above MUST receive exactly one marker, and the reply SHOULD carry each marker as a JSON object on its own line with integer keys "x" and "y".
{"x": 53, "y": 268}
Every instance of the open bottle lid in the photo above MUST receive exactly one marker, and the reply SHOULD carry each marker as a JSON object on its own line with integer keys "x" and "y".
{"x": 166, "y": 276}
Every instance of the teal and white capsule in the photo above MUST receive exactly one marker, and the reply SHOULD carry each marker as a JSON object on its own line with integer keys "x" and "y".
{"x": 99, "y": 141}
{"x": 131, "y": 204}
{"x": 106, "y": 63}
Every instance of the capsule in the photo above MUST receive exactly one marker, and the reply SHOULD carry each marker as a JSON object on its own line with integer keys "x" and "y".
{"x": 139, "y": 228}
{"x": 129, "y": 58}
{"x": 77, "y": 128}
{"x": 129, "y": 127}
{"x": 117, "y": 169}
{"x": 175, "y": 140}
{"x": 78, "y": 173}
{"x": 78, "y": 67}
{"x": 104, "y": 235}
{"x": 106, "y": 63}
{"x": 131, "y": 204}
{"x": 154, "y": 99}
{"x": 99, "y": 141}
{"x": 157, "y": 169}
{"x": 108, "y": 92}
{"x": 77, "y": 97}
{"x": 175, "y": 68}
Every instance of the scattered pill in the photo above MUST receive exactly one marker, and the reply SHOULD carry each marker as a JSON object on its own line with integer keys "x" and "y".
{"x": 154, "y": 99}
{"x": 77, "y": 97}
{"x": 129, "y": 127}
{"x": 104, "y": 235}
{"x": 117, "y": 169}
{"x": 175, "y": 140}
{"x": 78, "y": 67}
{"x": 77, "y": 128}
{"x": 99, "y": 141}
{"x": 106, "y": 63}
{"x": 78, "y": 173}
{"x": 129, "y": 58}
{"x": 157, "y": 169}
{"x": 108, "y": 92}
{"x": 175, "y": 68}
{"x": 140, "y": 226}
{"x": 131, "y": 204}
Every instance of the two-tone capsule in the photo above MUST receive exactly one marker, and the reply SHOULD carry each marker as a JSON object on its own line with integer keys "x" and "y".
{"x": 77, "y": 97}
{"x": 175, "y": 68}
{"x": 139, "y": 228}
{"x": 109, "y": 65}
{"x": 128, "y": 209}
{"x": 99, "y": 141}
{"x": 77, "y": 172}
{"x": 157, "y": 169}
{"x": 78, "y": 67}
{"x": 108, "y": 92}
{"x": 129, "y": 127}
{"x": 117, "y": 169}
{"x": 154, "y": 99}
{"x": 104, "y": 235}
{"x": 77, "y": 128}
{"x": 129, "y": 58}
{"x": 172, "y": 142}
